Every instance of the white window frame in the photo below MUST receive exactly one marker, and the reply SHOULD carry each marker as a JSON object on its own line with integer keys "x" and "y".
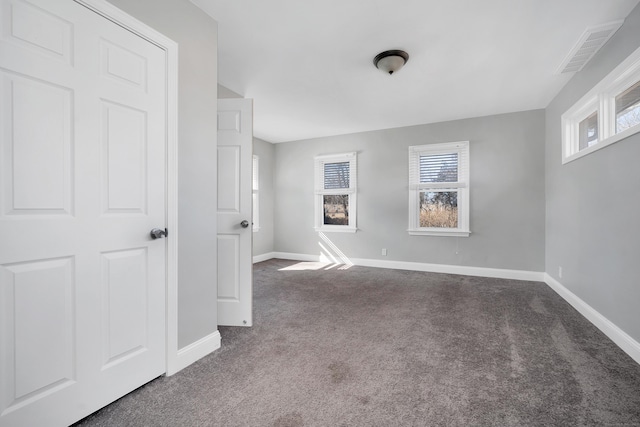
{"x": 255, "y": 189}
{"x": 320, "y": 161}
{"x": 461, "y": 186}
{"x": 601, "y": 99}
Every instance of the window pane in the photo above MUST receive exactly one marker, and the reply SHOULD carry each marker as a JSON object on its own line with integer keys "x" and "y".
{"x": 439, "y": 209}
{"x": 256, "y": 210}
{"x": 588, "y": 129}
{"x": 439, "y": 168}
{"x": 336, "y": 175}
{"x": 628, "y": 108}
{"x": 336, "y": 209}
{"x": 255, "y": 173}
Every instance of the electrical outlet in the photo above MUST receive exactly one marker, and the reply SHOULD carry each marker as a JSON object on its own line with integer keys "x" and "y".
{"x": 560, "y": 272}
{"x": 384, "y": 251}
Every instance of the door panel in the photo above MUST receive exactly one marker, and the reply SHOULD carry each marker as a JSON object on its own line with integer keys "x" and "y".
{"x": 124, "y": 148}
{"x": 38, "y": 29}
{"x": 82, "y": 284}
{"x": 229, "y": 179}
{"x": 235, "y": 146}
{"x": 38, "y": 301}
{"x": 228, "y": 278}
{"x": 36, "y": 147}
{"x": 123, "y": 65}
{"x": 124, "y": 285}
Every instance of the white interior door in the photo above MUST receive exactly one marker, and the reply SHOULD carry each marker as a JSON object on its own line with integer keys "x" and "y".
{"x": 235, "y": 154}
{"x": 82, "y": 183}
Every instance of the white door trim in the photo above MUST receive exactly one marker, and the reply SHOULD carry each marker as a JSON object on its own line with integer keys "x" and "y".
{"x": 116, "y": 15}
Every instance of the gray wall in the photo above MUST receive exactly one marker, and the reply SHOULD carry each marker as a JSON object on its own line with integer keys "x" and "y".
{"x": 263, "y": 238}
{"x": 507, "y": 194}
{"x": 224, "y": 92}
{"x": 196, "y": 34}
{"x": 592, "y": 202}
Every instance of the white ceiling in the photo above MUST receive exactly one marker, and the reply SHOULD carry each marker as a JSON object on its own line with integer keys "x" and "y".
{"x": 308, "y": 64}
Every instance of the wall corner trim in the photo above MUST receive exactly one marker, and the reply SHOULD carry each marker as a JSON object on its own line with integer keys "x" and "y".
{"x": 617, "y": 335}
{"x": 264, "y": 257}
{"x": 194, "y": 352}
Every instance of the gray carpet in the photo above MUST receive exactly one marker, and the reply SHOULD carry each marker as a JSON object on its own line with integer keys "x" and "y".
{"x": 375, "y": 347}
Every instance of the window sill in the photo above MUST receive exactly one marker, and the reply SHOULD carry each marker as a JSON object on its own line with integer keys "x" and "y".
{"x": 337, "y": 229}
{"x": 454, "y": 233}
{"x": 601, "y": 144}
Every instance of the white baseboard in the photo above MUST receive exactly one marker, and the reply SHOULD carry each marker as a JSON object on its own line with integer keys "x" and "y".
{"x": 453, "y": 269}
{"x": 263, "y": 257}
{"x": 296, "y": 257}
{"x": 499, "y": 273}
{"x": 194, "y": 352}
{"x": 617, "y": 335}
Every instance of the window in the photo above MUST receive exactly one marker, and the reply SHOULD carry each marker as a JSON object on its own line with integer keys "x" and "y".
{"x": 439, "y": 189}
{"x": 609, "y": 113}
{"x": 336, "y": 192}
{"x": 588, "y": 129}
{"x": 628, "y": 108}
{"x": 256, "y": 199}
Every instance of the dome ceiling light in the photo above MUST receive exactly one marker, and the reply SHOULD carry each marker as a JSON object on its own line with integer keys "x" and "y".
{"x": 391, "y": 61}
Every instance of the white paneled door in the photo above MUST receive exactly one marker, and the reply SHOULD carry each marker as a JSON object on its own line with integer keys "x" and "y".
{"x": 82, "y": 183}
{"x": 235, "y": 161}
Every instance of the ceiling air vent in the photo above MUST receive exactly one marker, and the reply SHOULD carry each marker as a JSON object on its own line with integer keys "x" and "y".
{"x": 589, "y": 43}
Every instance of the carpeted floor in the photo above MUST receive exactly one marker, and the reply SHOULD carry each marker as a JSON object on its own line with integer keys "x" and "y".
{"x": 374, "y": 347}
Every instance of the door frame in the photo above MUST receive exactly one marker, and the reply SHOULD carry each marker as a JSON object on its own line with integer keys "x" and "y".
{"x": 112, "y": 13}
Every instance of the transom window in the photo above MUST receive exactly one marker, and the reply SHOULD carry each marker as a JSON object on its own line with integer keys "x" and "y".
{"x": 588, "y": 129}
{"x": 628, "y": 108}
{"x": 336, "y": 192}
{"x": 607, "y": 114}
{"x": 439, "y": 189}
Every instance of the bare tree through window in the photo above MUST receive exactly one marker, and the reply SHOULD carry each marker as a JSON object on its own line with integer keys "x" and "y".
{"x": 336, "y": 195}
{"x": 439, "y": 189}
{"x": 336, "y": 209}
{"x": 439, "y": 208}
{"x": 336, "y": 206}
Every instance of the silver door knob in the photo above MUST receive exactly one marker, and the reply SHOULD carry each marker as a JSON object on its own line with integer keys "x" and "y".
{"x": 244, "y": 223}
{"x": 158, "y": 233}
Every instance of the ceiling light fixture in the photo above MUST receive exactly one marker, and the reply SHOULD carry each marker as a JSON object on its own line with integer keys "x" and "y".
{"x": 391, "y": 61}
